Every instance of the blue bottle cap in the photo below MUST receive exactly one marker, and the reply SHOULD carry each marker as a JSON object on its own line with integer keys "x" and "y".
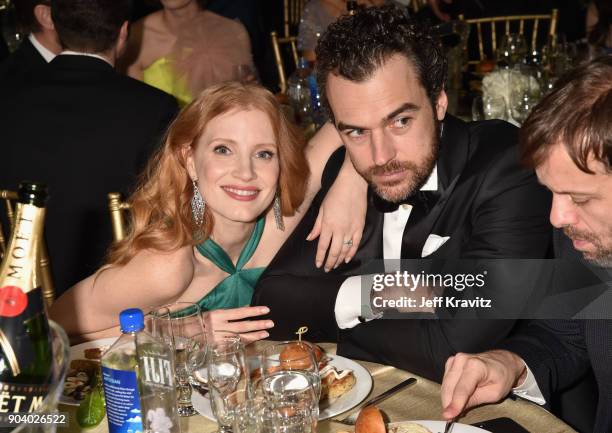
{"x": 131, "y": 320}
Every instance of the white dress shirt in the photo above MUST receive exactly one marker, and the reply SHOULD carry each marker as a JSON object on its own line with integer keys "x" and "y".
{"x": 529, "y": 389}
{"x": 77, "y": 53}
{"x": 44, "y": 52}
{"x": 348, "y": 306}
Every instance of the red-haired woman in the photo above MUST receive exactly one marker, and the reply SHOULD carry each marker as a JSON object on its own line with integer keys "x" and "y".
{"x": 211, "y": 210}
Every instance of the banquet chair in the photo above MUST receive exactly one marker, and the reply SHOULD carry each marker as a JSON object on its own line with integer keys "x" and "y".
{"x": 43, "y": 268}
{"x": 117, "y": 209}
{"x": 509, "y": 24}
{"x": 416, "y": 5}
{"x": 280, "y": 47}
{"x": 292, "y": 13}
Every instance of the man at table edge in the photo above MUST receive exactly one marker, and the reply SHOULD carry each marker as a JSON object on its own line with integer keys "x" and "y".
{"x": 568, "y": 140}
{"x": 382, "y": 78}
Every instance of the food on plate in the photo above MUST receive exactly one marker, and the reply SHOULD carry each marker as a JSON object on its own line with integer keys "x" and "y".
{"x": 296, "y": 355}
{"x": 94, "y": 352}
{"x": 91, "y": 411}
{"x": 335, "y": 383}
{"x": 409, "y": 427}
{"x": 370, "y": 420}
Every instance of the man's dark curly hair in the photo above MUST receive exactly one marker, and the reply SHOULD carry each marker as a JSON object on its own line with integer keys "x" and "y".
{"x": 355, "y": 46}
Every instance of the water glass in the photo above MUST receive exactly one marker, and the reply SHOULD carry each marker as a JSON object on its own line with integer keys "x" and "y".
{"x": 274, "y": 360}
{"x": 489, "y": 107}
{"x": 228, "y": 376}
{"x": 180, "y": 324}
{"x": 290, "y": 416}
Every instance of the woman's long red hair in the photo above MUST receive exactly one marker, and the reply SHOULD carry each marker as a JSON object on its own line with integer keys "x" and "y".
{"x": 161, "y": 204}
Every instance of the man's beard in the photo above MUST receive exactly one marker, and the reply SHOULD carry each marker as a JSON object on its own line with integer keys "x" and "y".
{"x": 602, "y": 255}
{"x": 416, "y": 175}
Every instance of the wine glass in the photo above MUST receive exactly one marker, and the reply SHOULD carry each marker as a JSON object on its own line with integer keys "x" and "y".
{"x": 512, "y": 50}
{"x": 228, "y": 376}
{"x": 245, "y": 74}
{"x": 181, "y": 325}
{"x": 287, "y": 370}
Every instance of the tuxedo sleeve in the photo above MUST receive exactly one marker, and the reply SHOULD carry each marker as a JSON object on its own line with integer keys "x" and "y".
{"x": 554, "y": 350}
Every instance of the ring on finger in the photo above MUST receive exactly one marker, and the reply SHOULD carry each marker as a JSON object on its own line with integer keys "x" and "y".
{"x": 348, "y": 242}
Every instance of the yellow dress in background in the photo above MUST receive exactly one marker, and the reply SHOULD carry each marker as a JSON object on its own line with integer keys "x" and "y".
{"x": 161, "y": 74}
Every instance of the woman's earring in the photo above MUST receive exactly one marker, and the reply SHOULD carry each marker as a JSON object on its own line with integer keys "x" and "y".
{"x": 197, "y": 205}
{"x": 278, "y": 214}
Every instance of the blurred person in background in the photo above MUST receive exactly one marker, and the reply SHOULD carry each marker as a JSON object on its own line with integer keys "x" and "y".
{"x": 38, "y": 49}
{"x": 83, "y": 129}
{"x": 599, "y": 25}
{"x": 316, "y": 16}
{"x": 183, "y": 48}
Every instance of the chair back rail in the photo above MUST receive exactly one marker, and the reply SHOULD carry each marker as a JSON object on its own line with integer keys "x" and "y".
{"x": 278, "y": 46}
{"x": 43, "y": 268}
{"x": 292, "y": 13}
{"x": 509, "y": 25}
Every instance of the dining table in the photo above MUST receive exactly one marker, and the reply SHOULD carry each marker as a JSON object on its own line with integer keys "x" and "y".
{"x": 420, "y": 401}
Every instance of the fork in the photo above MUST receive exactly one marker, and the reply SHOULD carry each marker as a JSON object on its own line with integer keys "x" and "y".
{"x": 352, "y": 418}
{"x": 449, "y": 425}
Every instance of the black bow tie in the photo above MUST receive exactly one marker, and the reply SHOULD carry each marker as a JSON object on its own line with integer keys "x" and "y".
{"x": 423, "y": 200}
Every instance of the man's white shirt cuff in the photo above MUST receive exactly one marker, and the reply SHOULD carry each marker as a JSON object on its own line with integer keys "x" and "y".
{"x": 529, "y": 389}
{"x": 348, "y": 306}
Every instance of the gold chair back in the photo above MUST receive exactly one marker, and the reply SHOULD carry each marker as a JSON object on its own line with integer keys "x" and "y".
{"x": 279, "y": 46}
{"x": 117, "y": 210}
{"x": 510, "y": 23}
{"x": 416, "y": 5}
{"x": 292, "y": 13}
{"x": 43, "y": 268}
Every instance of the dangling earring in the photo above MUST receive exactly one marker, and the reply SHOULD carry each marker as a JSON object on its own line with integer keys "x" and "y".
{"x": 278, "y": 215}
{"x": 441, "y": 129}
{"x": 197, "y": 205}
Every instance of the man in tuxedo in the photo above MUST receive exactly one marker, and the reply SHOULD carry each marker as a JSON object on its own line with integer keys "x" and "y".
{"x": 568, "y": 140}
{"x": 462, "y": 191}
{"x": 84, "y": 130}
{"x": 38, "y": 49}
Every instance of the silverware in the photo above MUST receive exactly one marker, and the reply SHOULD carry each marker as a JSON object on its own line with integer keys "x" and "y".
{"x": 352, "y": 418}
{"x": 449, "y": 425}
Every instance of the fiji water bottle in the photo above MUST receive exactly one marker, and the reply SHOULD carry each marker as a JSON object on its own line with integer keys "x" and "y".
{"x": 138, "y": 379}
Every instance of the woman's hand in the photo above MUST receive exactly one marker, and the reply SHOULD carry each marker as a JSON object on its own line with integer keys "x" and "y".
{"x": 233, "y": 320}
{"x": 341, "y": 218}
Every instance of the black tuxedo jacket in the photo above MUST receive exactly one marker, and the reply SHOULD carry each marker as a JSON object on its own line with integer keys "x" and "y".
{"x": 496, "y": 210}
{"x": 560, "y": 352}
{"x": 21, "y": 67}
{"x": 85, "y": 130}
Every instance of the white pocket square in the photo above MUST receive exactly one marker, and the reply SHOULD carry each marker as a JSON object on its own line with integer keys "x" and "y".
{"x": 432, "y": 244}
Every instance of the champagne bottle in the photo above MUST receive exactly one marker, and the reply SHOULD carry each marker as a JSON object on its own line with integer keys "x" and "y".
{"x": 25, "y": 344}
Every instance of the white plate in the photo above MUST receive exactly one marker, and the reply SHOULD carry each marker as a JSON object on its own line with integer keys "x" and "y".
{"x": 363, "y": 385}
{"x": 78, "y": 352}
{"x": 438, "y": 427}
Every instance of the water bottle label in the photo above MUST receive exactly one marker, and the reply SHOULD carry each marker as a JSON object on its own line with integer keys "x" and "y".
{"x": 157, "y": 371}
{"x": 122, "y": 401}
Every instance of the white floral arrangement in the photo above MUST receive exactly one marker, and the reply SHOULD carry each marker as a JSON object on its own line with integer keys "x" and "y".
{"x": 510, "y": 84}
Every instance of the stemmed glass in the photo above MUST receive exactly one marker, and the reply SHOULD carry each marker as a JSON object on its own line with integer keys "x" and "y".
{"x": 512, "y": 50}
{"x": 228, "y": 376}
{"x": 294, "y": 376}
{"x": 489, "y": 107}
{"x": 180, "y": 324}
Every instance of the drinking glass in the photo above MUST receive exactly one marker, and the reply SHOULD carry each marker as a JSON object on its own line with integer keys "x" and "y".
{"x": 489, "y": 107}
{"x": 298, "y": 374}
{"x": 180, "y": 324}
{"x": 245, "y": 74}
{"x": 292, "y": 416}
{"x": 512, "y": 50}
{"x": 228, "y": 376}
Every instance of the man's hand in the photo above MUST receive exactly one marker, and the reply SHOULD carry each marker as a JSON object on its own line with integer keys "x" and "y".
{"x": 471, "y": 380}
